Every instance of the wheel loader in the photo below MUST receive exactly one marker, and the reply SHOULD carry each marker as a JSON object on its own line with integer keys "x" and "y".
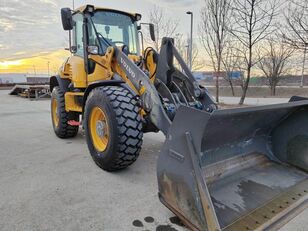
{"x": 232, "y": 169}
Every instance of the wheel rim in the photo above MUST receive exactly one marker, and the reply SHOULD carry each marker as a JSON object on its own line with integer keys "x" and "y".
{"x": 55, "y": 113}
{"x": 99, "y": 129}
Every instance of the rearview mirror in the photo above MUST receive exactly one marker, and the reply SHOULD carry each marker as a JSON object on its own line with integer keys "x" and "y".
{"x": 67, "y": 19}
{"x": 152, "y": 31}
{"x": 73, "y": 49}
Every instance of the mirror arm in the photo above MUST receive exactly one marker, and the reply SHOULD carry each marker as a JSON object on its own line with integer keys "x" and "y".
{"x": 151, "y": 26}
{"x": 142, "y": 41}
{"x": 70, "y": 42}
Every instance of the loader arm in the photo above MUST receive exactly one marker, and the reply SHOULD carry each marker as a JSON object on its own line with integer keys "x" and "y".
{"x": 178, "y": 88}
{"x": 150, "y": 100}
{"x": 183, "y": 81}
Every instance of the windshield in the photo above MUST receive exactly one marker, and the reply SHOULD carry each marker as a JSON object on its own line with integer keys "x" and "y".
{"x": 118, "y": 29}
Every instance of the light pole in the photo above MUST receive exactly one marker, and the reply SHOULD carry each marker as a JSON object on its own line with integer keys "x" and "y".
{"x": 187, "y": 53}
{"x": 304, "y": 62}
{"x": 191, "y": 37}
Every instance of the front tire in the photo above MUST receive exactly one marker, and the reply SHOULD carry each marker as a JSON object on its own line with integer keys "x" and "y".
{"x": 60, "y": 116}
{"x": 113, "y": 127}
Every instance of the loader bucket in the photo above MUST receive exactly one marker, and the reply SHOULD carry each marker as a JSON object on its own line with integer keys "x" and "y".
{"x": 236, "y": 169}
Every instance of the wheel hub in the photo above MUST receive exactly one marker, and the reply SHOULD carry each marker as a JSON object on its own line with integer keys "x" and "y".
{"x": 100, "y": 128}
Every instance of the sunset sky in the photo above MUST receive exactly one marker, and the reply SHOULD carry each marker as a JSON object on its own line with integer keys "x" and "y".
{"x": 31, "y": 34}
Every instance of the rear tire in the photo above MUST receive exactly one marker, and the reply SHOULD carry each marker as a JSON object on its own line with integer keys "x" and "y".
{"x": 60, "y": 117}
{"x": 119, "y": 145}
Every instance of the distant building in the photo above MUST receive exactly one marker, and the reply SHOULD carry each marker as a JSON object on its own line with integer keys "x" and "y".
{"x": 11, "y": 78}
{"x": 39, "y": 79}
{"x": 210, "y": 75}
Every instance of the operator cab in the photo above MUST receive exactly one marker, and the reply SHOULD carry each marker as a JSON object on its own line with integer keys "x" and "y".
{"x": 113, "y": 28}
{"x": 100, "y": 27}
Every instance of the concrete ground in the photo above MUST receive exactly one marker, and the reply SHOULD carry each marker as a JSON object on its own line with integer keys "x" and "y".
{"x": 253, "y": 101}
{"x": 51, "y": 184}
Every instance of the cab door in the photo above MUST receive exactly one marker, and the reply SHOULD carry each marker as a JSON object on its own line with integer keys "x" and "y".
{"x": 76, "y": 65}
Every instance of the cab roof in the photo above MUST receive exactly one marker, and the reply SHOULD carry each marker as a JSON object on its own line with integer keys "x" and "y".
{"x": 82, "y": 9}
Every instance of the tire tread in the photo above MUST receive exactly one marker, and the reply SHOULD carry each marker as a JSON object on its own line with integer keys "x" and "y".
{"x": 64, "y": 130}
{"x": 129, "y": 126}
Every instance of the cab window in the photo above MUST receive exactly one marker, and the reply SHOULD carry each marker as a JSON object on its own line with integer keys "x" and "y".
{"x": 78, "y": 34}
{"x": 117, "y": 28}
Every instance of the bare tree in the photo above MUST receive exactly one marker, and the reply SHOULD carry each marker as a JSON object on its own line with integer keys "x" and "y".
{"x": 197, "y": 61}
{"x": 296, "y": 33}
{"x": 231, "y": 61}
{"x": 164, "y": 26}
{"x": 252, "y": 20}
{"x": 182, "y": 46}
{"x": 213, "y": 28}
{"x": 275, "y": 62}
{"x": 297, "y": 24}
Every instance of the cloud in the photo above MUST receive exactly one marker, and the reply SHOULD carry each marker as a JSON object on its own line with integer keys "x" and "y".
{"x": 34, "y": 26}
{"x": 29, "y": 26}
{"x": 5, "y": 25}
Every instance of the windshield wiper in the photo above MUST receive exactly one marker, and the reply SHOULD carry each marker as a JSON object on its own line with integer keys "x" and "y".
{"x": 99, "y": 35}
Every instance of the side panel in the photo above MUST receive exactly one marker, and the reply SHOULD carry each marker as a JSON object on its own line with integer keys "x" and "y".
{"x": 99, "y": 73}
{"x": 72, "y": 103}
{"x": 74, "y": 69}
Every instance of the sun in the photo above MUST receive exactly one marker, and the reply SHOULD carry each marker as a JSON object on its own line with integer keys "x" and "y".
{"x": 8, "y": 64}
{"x": 39, "y": 63}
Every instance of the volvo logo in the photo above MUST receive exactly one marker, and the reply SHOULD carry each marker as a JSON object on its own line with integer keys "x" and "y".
{"x": 128, "y": 68}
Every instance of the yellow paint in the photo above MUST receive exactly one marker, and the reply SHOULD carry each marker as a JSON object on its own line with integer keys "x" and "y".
{"x": 134, "y": 58}
{"x": 103, "y": 69}
{"x": 74, "y": 69}
{"x": 71, "y": 101}
{"x": 65, "y": 70}
{"x": 150, "y": 65}
{"x": 82, "y": 9}
{"x": 54, "y": 108}
{"x": 99, "y": 129}
{"x": 120, "y": 72}
{"x": 142, "y": 113}
{"x": 142, "y": 90}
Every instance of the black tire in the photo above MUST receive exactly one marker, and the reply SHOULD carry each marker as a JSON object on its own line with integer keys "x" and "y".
{"x": 63, "y": 130}
{"x": 124, "y": 127}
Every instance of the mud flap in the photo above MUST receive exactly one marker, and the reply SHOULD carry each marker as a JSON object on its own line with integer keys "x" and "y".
{"x": 235, "y": 169}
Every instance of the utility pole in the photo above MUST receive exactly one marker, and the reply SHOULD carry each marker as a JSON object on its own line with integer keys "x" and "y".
{"x": 304, "y": 62}
{"x": 73, "y": 4}
{"x": 191, "y": 37}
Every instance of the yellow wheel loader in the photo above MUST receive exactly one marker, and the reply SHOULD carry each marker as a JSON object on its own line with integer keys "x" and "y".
{"x": 234, "y": 169}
